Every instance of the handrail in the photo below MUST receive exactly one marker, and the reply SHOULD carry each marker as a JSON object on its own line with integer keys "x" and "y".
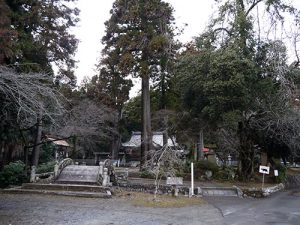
{"x": 99, "y": 174}
{"x": 61, "y": 165}
{"x": 104, "y": 172}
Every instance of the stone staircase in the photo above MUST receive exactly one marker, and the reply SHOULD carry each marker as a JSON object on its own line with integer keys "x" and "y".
{"x": 87, "y": 191}
{"x": 221, "y": 191}
{"x": 75, "y": 174}
{"x": 74, "y": 180}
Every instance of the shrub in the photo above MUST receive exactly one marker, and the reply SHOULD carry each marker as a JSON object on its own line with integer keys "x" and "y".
{"x": 227, "y": 173}
{"x": 13, "y": 174}
{"x": 207, "y": 165}
{"x": 47, "y": 153}
{"x": 281, "y": 173}
{"x": 147, "y": 174}
{"x": 46, "y": 167}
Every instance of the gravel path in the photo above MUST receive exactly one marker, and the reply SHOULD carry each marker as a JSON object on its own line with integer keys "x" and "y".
{"x": 20, "y": 209}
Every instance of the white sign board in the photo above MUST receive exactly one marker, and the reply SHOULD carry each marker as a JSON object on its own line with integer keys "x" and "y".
{"x": 264, "y": 169}
{"x": 174, "y": 181}
{"x": 276, "y": 173}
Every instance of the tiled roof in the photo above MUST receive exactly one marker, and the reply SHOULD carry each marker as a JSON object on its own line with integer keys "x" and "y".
{"x": 157, "y": 138}
{"x": 59, "y": 142}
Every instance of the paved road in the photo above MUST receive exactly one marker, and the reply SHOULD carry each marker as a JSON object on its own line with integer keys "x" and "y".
{"x": 60, "y": 210}
{"x": 282, "y": 208}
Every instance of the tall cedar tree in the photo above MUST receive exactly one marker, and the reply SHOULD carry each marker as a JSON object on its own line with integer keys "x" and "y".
{"x": 35, "y": 33}
{"x": 138, "y": 33}
{"x": 7, "y": 35}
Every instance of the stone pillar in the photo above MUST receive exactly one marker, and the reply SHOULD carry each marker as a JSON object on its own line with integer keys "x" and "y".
{"x": 175, "y": 191}
{"x": 105, "y": 178}
{"x": 56, "y": 170}
{"x": 101, "y": 166}
{"x": 199, "y": 191}
{"x": 229, "y": 160}
{"x": 32, "y": 174}
{"x": 96, "y": 158}
{"x": 191, "y": 192}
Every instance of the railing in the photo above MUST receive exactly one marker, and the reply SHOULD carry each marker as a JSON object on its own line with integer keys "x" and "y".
{"x": 100, "y": 173}
{"x": 105, "y": 172}
{"x": 61, "y": 165}
{"x": 35, "y": 177}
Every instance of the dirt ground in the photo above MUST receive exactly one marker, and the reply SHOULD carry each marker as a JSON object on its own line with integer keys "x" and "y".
{"x": 21, "y": 209}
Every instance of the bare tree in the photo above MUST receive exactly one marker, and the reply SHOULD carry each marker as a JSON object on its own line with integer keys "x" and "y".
{"x": 163, "y": 162}
{"x": 90, "y": 123}
{"x": 227, "y": 142}
{"x": 26, "y": 100}
{"x": 28, "y": 95}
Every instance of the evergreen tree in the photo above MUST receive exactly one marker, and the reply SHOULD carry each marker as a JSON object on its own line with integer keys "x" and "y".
{"x": 233, "y": 74}
{"x": 138, "y": 34}
{"x": 36, "y": 33}
{"x": 7, "y": 35}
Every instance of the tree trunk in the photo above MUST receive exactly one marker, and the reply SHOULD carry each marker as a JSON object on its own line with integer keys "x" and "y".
{"x": 26, "y": 152}
{"x": 115, "y": 146}
{"x": 200, "y": 146}
{"x": 116, "y": 142}
{"x": 146, "y": 137}
{"x": 38, "y": 137}
{"x": 8, "y": 149}
{"x": 1, "y": 155}
{"x": 246, "y": 153}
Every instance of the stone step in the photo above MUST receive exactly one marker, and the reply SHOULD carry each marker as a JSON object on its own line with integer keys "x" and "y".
{"x": 65, "y": 187}
{"x": 74, "y": 177}
{"x": 81, "y": 168}
{"x": 78, "y": 182}
{"x": 220, "y": 191}
{"x": 55, "y": 192}
{"x": 79, "y": 174}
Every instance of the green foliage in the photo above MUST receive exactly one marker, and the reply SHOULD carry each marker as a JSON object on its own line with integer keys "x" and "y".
{"x": 138, "y": 35}
{"x": 282, "y": 170}
{"x": 204, "y": 165}
{"x": 147, "y": 174}
{"x": 13, "y": 174}
{"x": 132, "y": 114}
{"x": 226, "y": 173}
{"x": 45, "y": 167}
{"x": 40, "y": 35}
{"x": 47, "y": 153}
{"x": 232, "y": 79}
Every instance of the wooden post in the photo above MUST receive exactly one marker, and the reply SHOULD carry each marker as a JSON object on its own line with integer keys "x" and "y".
{"x": 200, "y": 146}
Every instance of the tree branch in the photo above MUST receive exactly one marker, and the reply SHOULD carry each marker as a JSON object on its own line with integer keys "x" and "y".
{"x": 222, "y": 29}
{"x": 255, "y": 3}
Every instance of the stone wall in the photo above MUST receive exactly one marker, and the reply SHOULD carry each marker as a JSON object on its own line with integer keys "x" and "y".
{"x": 292, "y": 181}
{"x": 260, "y": 193}
{"x": 150, "y": 188}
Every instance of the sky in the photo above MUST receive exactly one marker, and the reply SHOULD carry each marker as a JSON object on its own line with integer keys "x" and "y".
{"x": 94, "y": 13}
{"x": 90, "y": 30}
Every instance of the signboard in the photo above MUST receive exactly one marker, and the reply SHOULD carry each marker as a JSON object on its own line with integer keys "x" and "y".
{"x": 174, "y": 181}
{"x": 264, "y": 169}
{"x": 276, "y": 173}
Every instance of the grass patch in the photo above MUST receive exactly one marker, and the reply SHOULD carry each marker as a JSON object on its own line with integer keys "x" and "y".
{"x": 250, "y": 184}
{"x": 162, "y": 201}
